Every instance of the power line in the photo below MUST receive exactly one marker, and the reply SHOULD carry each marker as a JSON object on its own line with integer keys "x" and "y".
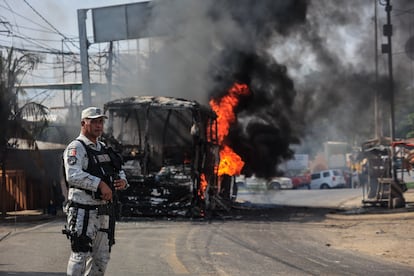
{"x": 15, "y": 29}
{"x": 36, "y": 30}
{"x": 50, "y": 24}
{"x": 55, "y": 52}
{"x": 37, "y": 44}
{"x": 35, "y": 39}
{"x": 10, "y": 9}
{"x": 22, "y": 16}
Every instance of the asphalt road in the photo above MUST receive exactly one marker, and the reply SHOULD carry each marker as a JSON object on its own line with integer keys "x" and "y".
{"x": 332, "y": 198}
{"x": 252, "y": 240}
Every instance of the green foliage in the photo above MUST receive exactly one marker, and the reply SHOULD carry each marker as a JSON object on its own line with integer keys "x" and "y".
{"x": 410, "y": 185}
{"x": 406, "y": 127}
{"x": 17, "y": 121}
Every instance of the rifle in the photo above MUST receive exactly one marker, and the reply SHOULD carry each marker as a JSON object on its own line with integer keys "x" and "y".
{"x": 117, "y": 161}
{"x": 111, "y": 208}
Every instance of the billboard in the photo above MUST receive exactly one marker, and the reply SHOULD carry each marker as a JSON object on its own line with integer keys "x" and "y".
{"x": 122, "y": 22}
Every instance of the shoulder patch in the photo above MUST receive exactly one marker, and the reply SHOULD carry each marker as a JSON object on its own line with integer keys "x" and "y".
{"x": 72, "y": 160}
{"x": 72, "y": 152}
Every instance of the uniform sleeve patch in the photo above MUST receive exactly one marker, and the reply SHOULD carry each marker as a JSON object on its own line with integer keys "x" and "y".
{"x": 72, "y": 152}
{"x": 72, "y": 160}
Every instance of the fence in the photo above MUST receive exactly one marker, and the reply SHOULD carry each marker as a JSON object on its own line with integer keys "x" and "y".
{"x": 14, "y": 192}
{"x": 33, "y": 179}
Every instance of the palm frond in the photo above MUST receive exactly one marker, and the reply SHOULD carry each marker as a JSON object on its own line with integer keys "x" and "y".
{"x": 22, "y": 122}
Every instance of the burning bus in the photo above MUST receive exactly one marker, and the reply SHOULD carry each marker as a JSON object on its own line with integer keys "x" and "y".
{"x": 170, "y": 148}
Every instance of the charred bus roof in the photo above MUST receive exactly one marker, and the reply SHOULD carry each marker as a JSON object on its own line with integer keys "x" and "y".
{"x": 158, "y": 102}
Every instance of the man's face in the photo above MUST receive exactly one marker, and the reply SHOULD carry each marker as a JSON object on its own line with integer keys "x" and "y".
{"x": 93, "y": 127}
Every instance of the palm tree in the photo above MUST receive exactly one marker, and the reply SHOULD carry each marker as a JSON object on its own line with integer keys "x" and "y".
{"x": 14, "y": 121}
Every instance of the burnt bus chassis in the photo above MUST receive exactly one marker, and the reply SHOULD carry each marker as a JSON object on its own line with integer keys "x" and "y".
{"x": 174, "y": 147}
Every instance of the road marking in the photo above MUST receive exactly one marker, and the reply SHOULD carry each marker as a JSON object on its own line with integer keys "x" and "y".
{"x": 177, "y": 266}
{"x": 15, "y": 231}
{"x": 316, "y": 262}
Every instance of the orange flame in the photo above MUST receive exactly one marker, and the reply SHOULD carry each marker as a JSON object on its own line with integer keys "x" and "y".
{"x": 203, "y": 186}
{"x": 225, "y": 109}
{"x": 230, "y": 162}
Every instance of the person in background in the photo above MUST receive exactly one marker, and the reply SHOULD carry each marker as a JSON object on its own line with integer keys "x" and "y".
{"x": 93, "y": 174}
{"x": 355, "y": 178}
{"x": 51, "y": 208}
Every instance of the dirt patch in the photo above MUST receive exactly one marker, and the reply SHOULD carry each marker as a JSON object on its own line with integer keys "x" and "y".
{"x": 389, "y": 236}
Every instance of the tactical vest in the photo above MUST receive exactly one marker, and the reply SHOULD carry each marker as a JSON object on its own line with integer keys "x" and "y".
{"x": 104, "y": 163}
{"x": 100, "y": 163}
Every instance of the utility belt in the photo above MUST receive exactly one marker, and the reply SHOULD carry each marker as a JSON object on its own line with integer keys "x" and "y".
{"x": 103, "y": 209}
{"x": 94, "y": 195}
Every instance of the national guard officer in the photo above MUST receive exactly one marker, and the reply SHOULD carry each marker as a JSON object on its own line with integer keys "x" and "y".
{"x": 93, "y": 174}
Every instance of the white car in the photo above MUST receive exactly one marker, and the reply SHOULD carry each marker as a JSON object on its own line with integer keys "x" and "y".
{"x": 277, "y": 183}
{"x": 327, "y": 179}
{"x": 257, "y": 183}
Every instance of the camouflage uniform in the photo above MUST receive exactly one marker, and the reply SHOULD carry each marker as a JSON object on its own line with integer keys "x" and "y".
{"x": 91, "y": 251}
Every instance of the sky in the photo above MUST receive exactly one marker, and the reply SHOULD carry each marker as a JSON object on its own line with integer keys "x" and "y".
{"x": 310, "y": 64}
{"x": 25, "y": 16}
{"x": 50, "y": 26}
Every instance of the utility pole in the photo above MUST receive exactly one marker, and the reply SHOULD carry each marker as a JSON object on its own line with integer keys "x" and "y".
{"x": 387, "y": 49}
{"x": 377, "y": 113}
{"x": 63, "y": 73}
{"x": 109, "y": 72}
{"x": 83, "y": 45}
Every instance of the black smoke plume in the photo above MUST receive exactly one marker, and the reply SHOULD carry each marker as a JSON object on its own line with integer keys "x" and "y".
{"x": 309, "y": 66}
{"x": 266, "y": 125}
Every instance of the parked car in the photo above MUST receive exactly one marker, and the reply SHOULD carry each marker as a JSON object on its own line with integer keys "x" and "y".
{"x": 302, "y": 180}
{"x": 277, "y": 183}
{"x": 327, "y": 179}
{"x": 257, "y": 183}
